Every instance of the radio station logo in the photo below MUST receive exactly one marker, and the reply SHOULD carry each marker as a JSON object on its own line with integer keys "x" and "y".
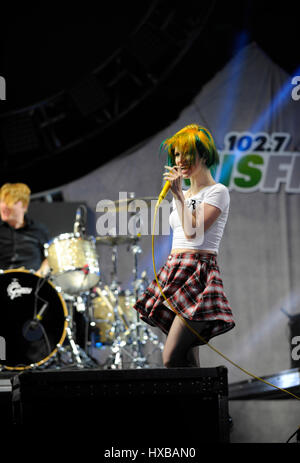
{"x": 259, "y": 162}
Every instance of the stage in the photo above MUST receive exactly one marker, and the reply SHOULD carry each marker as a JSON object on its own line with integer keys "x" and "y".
{"x": 141, "y": 399}
{"x": 80, "y": 242}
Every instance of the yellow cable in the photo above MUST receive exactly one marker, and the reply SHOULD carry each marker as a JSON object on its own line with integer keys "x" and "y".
{"x": 197, "y": 334}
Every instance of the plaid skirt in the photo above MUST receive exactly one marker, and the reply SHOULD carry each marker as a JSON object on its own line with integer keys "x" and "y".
{"x": 192, "y": 283}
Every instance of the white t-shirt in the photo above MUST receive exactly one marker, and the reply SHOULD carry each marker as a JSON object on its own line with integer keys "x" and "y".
{"x": 217, "y": 195}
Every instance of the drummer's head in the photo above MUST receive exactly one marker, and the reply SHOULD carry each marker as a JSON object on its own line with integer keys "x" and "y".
{"x": 14, "y": 202}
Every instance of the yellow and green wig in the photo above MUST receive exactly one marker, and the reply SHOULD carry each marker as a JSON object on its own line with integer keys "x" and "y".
{"x": 191, "y": 140}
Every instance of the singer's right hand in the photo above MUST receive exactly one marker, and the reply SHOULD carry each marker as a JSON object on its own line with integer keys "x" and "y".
{"x": 174, "y": 175}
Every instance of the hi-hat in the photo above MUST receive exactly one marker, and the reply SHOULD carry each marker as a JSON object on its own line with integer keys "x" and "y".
{"x": 114, "y": 240}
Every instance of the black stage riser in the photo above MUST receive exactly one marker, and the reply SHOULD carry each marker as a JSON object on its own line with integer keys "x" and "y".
{"x": 171, "y": 405}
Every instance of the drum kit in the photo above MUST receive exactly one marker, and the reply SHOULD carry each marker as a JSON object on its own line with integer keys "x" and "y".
{"x": 39, "y": 314}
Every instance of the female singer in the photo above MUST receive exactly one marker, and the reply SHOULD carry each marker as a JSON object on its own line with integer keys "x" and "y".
{"x": 190, "y": 278}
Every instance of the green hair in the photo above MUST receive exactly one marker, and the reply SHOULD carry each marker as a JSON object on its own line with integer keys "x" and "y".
{"x": 190, "y": 140}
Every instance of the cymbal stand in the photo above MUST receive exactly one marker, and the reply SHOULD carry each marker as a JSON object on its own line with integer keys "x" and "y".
{"x": 130, "y": 337}
{"x": 140, "y": 360}
{"x": 143, "y": 335}
{"x": 130, "y": 343}
{"x": 123, "y": 329}
{"x": 118, "y": 327}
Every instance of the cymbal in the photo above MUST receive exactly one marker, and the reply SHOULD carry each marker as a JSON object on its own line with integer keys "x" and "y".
{"x": 123, "y": 204}
{"x": 114, "y": 240}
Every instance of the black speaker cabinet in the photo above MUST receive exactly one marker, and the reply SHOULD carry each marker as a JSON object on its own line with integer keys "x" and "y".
{"x": 166, "y": 406}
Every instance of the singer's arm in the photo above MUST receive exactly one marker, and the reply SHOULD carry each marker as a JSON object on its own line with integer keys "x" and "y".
{"x": 193, "y": 221}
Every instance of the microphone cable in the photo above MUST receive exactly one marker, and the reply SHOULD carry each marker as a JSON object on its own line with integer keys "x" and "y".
{"x": 196, "y": 333}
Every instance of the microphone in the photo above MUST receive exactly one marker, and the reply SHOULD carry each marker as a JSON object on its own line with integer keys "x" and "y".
{"x": 32, "y": 329}
{"x": 78, "y": 220}
{"x": 164, "y": 191}
{"x": 40, "y": 315}
{"x": 78, "y": 214}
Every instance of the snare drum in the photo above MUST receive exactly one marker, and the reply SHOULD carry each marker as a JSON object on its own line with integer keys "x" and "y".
{"x": 73, "y": 262}
{"x": 33, "y": 320}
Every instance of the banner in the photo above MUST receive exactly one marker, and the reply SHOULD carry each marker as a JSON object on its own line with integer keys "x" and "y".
{"x": 258, "y": 162}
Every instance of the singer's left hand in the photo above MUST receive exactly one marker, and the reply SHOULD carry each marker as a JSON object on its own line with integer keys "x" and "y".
{"x": 174, "y": 175}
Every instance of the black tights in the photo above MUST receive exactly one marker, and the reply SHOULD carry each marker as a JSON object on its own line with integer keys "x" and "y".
{"x": 179, "y": 350}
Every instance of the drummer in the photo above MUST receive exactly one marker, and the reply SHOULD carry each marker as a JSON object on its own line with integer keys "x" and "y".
{"x": 21, "y": 238}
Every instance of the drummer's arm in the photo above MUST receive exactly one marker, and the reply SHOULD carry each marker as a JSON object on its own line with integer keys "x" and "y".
{"x": 44, "y": 269}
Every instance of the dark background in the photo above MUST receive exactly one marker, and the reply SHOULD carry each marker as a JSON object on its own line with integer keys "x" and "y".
{"x": 48, "y": 50}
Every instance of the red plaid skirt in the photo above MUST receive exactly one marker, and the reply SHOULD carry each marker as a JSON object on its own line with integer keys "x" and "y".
{"x": 193, "y": 285}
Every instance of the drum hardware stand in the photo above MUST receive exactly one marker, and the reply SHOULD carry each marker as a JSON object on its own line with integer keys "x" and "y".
{"x": 119, "y": 326}
{"x": 140, "y": 359}
{"x": 138, "y": 333}
{"x": 82, "y": 306}
{"x": 79, "y": 357}
{"x": 128, "y": 337}
{"x": 142, "y": 333}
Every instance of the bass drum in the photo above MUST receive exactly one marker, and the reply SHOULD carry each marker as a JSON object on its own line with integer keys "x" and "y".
{"x": 33, "y": 320}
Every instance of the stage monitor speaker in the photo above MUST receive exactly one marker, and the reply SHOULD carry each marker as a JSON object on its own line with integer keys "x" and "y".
{"x": 144, "y": 406}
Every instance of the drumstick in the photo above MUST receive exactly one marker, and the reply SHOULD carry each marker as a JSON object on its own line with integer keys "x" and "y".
{"x": 107, "y": 302}
{"x": 121, "y": 312}
{"x": 113, "y": 299}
